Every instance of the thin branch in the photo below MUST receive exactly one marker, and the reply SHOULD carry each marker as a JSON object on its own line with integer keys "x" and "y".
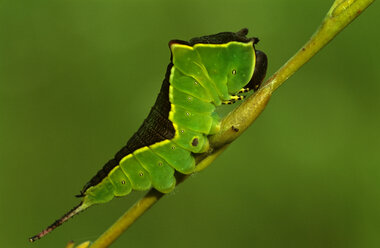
{"x": 339, "y": 16}
{"x": 341, "y": 13}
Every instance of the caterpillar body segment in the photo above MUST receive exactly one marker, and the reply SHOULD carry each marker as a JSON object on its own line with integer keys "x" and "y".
{"x": 204, "y": 73}
{"x": 188, "y": 85}
{"x": 121, "y": 183}
{"x": 135, "y": 172}
{"x": 160, "y": 172}
{"x": 179, "y": 158}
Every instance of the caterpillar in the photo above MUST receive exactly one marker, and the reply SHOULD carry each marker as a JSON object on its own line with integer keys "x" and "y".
{"x": 203, "y": 73}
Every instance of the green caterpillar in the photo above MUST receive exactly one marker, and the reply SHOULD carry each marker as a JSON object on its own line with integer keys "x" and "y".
{"x": 203, "y": 73}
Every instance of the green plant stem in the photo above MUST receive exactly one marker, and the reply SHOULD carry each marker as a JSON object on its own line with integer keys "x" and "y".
{"x": 127, "y": 219}
{"x": 341, "y": 13}
{"x": 339, "y": 16}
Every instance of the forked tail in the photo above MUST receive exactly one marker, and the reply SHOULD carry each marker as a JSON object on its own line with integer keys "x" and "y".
{"x": 59, "y": 222}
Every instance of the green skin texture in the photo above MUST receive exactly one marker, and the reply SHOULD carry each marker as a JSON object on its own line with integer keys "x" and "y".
{"x": 203, "y": 76}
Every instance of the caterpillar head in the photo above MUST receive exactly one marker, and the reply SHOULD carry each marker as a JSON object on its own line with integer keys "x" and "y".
{"x": 229, "y": 59}
{"x": 261, "y": 60}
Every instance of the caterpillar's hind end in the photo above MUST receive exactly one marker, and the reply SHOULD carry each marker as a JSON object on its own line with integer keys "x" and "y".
{"x": 59, "y": 222}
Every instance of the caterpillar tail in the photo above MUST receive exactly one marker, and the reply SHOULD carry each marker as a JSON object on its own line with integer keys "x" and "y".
{"x": 77, "y": 209}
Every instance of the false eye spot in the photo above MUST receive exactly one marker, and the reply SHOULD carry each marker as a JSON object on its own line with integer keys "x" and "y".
{"x": 234, "y": 72}
{"x": 195, "y": 142}
{"x": 122, "y": 181}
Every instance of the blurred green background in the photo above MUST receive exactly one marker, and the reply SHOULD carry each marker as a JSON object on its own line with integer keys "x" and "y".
{"x": 77, "y": 78}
